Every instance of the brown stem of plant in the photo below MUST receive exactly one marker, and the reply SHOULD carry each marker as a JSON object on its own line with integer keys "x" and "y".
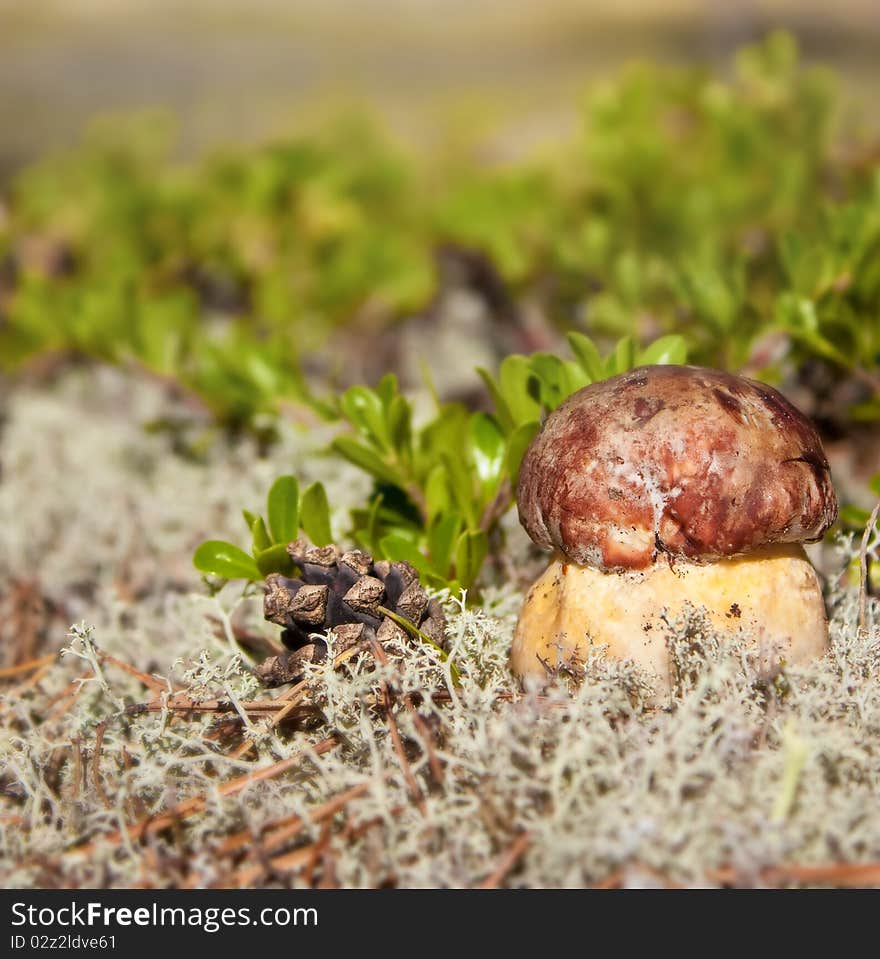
{"x": 150, "y": 825}
{"x": 510, "y": 858}
{"x": 288, "y": 701}
{"x": 277, "y": 835}
{"x": 151, "y": 682}
{"x": 96, "y": 763}
{"x": 411, "y": 781}
{"x": 844, "y": 875}
{"x": 31, "y": 664}
{"x": 31, "y": 682}
{"x": 66, "y": 698}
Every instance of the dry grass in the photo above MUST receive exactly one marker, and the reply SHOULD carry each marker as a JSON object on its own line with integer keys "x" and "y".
{"x": 148, "y": 755}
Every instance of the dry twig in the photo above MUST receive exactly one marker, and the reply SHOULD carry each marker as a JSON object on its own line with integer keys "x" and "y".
{"x": 151, "y": 682}
{"x": 11, "y": 671}
{"x": 843, "y": 875}
{"x": 274, "y": 836}
{"x": 96, "y": 763}
{"x": 153, "y": 824}
{"x": 411, "y": 781}
{"x": 510, "y": 858}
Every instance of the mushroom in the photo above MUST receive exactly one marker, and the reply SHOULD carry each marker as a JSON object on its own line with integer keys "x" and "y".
{"x": 668, "y": 486}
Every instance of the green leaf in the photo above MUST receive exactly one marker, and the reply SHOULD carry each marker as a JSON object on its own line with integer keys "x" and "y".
{"x": 249, "y": 518}
{"x": 712, "y": 292}
{"x": 575, "y": 377}
{"x": 470, "y": 551}
{"x": 372, "y": 525}
{"x": 517, "y": 444}
{"x": 798, "y": 316}
{"x": 387, "y": 389}
{"x": 316, "y": 515}
{"x": 282, "y": 505}
{"x": 667, "y": 349}
{"x": 502, "y": 410}
{"x": 622, "y": 359}
{"x": 487, "y": 444}
{"x": 275, "y": 559}
{"x": 461, "y": 484}
{"x": 396, "y": 512}
{"x": 437, "y": 497}
{"x": 218, "y": 558}
{"x": 399, "y": 419}
{"x": 558, "y": 378}
{"x": 261, "y": 536}
{"x": 518, "y": 384}
{"x": 552, "y": 378}
{"x": 445, "y": 435}
{"x": 368, "y": 525}
{"x": 365, "y": 410}
{"x": 587, "y": 355}
{"x": 441, "y": 539}
{"x": 397, "y": 548}
{"x": 365, "y": 458}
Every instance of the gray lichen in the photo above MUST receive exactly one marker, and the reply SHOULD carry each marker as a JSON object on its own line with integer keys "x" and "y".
{"x": 739, "y": 769}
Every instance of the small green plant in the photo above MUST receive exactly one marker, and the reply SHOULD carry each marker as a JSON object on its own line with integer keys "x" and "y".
{"x": 287, "y": 512}
{"x": 440, "y": 488}
{"x": 829, "y": 307}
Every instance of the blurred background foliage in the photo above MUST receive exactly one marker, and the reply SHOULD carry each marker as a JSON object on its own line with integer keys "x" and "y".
{"x": 740, "y": 212}
{"x": 731, "y": 201}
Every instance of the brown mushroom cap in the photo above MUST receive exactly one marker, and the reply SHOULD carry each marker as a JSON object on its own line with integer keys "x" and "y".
{"x": 674, "y": 459}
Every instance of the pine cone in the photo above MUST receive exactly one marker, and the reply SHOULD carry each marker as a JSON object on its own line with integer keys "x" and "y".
{"x": 346, "y": 592}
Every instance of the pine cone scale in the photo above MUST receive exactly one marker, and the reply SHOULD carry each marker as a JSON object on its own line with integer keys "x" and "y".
{"x": 345, "y": 592}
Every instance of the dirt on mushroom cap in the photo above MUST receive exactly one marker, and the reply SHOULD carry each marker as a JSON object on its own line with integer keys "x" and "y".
{"x": 684, "y": 460}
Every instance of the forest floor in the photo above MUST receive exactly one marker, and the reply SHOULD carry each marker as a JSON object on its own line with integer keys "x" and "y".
{"x": 139, "y": 750}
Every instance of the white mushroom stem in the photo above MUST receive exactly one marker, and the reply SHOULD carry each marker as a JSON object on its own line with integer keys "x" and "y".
{"x": 772, "y": 595}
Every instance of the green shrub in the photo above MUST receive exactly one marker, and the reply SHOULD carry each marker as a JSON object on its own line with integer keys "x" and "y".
{"x": 440, "y": 489}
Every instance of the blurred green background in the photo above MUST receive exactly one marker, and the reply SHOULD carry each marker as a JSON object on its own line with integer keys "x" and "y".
{"x": 239, "y": 70}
